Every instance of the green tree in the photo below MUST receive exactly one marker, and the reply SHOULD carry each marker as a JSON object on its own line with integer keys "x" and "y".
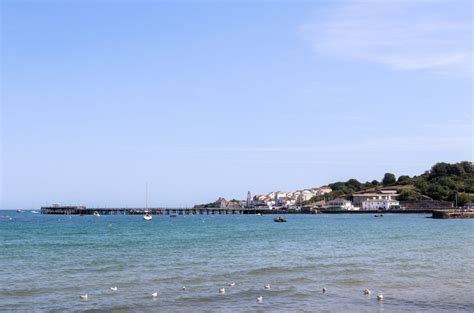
{"x": 389, "y": 179}
{"x": 438, "y": 170}
{"x": 467, "y": 166}
{"x": 404, "y": 180}
{"x": 437, "y": 192}
{"x": 354, "y": 184}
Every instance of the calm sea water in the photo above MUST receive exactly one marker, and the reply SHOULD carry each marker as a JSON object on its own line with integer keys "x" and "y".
{"x": 419, "y": 264}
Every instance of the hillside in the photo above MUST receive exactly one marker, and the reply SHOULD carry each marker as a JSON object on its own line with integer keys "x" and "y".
{"x": 443, "y": 181}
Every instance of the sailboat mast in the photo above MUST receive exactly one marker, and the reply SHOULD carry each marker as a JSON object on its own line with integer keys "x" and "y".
{"x": 146, "y": 196}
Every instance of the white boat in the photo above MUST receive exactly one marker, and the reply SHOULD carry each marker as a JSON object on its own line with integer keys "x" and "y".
{"x": 147, "y": 216}
{"x": 34, "y": 212}
{"x": 96, "y": 213}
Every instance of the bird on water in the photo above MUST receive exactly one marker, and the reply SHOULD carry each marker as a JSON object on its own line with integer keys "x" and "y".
{"x": 366, "y": 292}
{"x": 222, "y": 290}
{"x": 267, "y": 286}
{"x": 260, "y": 299}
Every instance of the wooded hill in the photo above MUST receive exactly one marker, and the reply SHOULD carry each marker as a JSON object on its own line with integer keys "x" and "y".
{"x": 443, "y": 181}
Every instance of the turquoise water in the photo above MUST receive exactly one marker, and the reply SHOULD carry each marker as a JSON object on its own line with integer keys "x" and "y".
{"x": 419, "y": 264}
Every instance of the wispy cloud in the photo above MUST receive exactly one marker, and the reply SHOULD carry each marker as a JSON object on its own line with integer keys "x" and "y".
{"x": 415, "y": 35}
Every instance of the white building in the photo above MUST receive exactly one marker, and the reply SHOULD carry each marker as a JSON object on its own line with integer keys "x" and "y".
{"x": 340, "y": 204}
{"x": 379, "y": 204}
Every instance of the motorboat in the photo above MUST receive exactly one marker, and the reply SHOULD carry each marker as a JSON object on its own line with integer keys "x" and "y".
{"x": 279, "y": 219}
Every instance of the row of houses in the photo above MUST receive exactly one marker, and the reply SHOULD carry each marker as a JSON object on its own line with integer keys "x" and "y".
{"x": 383, "y": 199}
{"x": 285, "y": 199}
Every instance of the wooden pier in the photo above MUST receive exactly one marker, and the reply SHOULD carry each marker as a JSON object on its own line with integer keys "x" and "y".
{"x": 81, "y": 210}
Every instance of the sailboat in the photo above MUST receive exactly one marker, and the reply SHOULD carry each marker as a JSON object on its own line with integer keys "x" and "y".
{"x": 147, "y": 216}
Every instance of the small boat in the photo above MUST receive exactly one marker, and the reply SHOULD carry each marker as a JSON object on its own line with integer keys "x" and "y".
{"x": 19, "y": 211}
{"x": 96, "y": 213}
{"x": 279, "y": 219}
{"x": 34, "y": 212}
{"x": 147, "y": 216}
{"x": 173, "y": 215}
{"x": 259, "y": 214}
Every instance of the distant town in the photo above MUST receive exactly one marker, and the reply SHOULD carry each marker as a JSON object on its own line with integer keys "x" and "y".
{"x": 444, "y": 186}
{"x": 384, "y": 198}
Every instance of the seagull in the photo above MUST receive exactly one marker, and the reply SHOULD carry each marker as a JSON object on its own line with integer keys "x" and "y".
{"x": 324, "y": 290}
{"x": 267, "y": 286}
{"x": 114, "y": 288}
{"x": 260, "y": 299}
{"x": 83, "y": 297}
{"x": 154, "y": 295}
{"x": 366, "y": 292}
{"x": 222, "y": 290}
{"x": 232, "y": 284}
{"x": 380, "y": 297}
{"x": 184, "y": 288}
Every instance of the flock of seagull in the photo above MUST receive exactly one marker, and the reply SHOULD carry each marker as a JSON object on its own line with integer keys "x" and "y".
{"x": 366, "y": 292}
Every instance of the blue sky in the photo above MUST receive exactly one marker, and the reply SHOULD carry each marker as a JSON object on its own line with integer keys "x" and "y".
{"x": 208, "y": 99}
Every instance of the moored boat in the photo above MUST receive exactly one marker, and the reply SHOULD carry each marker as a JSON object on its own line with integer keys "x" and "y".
{"x": 147, "y": 216}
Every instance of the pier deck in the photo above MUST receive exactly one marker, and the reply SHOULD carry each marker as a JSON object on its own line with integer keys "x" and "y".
{"x": 81, "y": 210}
{"x": 71, "y": 210}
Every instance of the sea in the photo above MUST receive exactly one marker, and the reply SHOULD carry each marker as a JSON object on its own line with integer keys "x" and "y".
{"x": 419, "y": 264}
